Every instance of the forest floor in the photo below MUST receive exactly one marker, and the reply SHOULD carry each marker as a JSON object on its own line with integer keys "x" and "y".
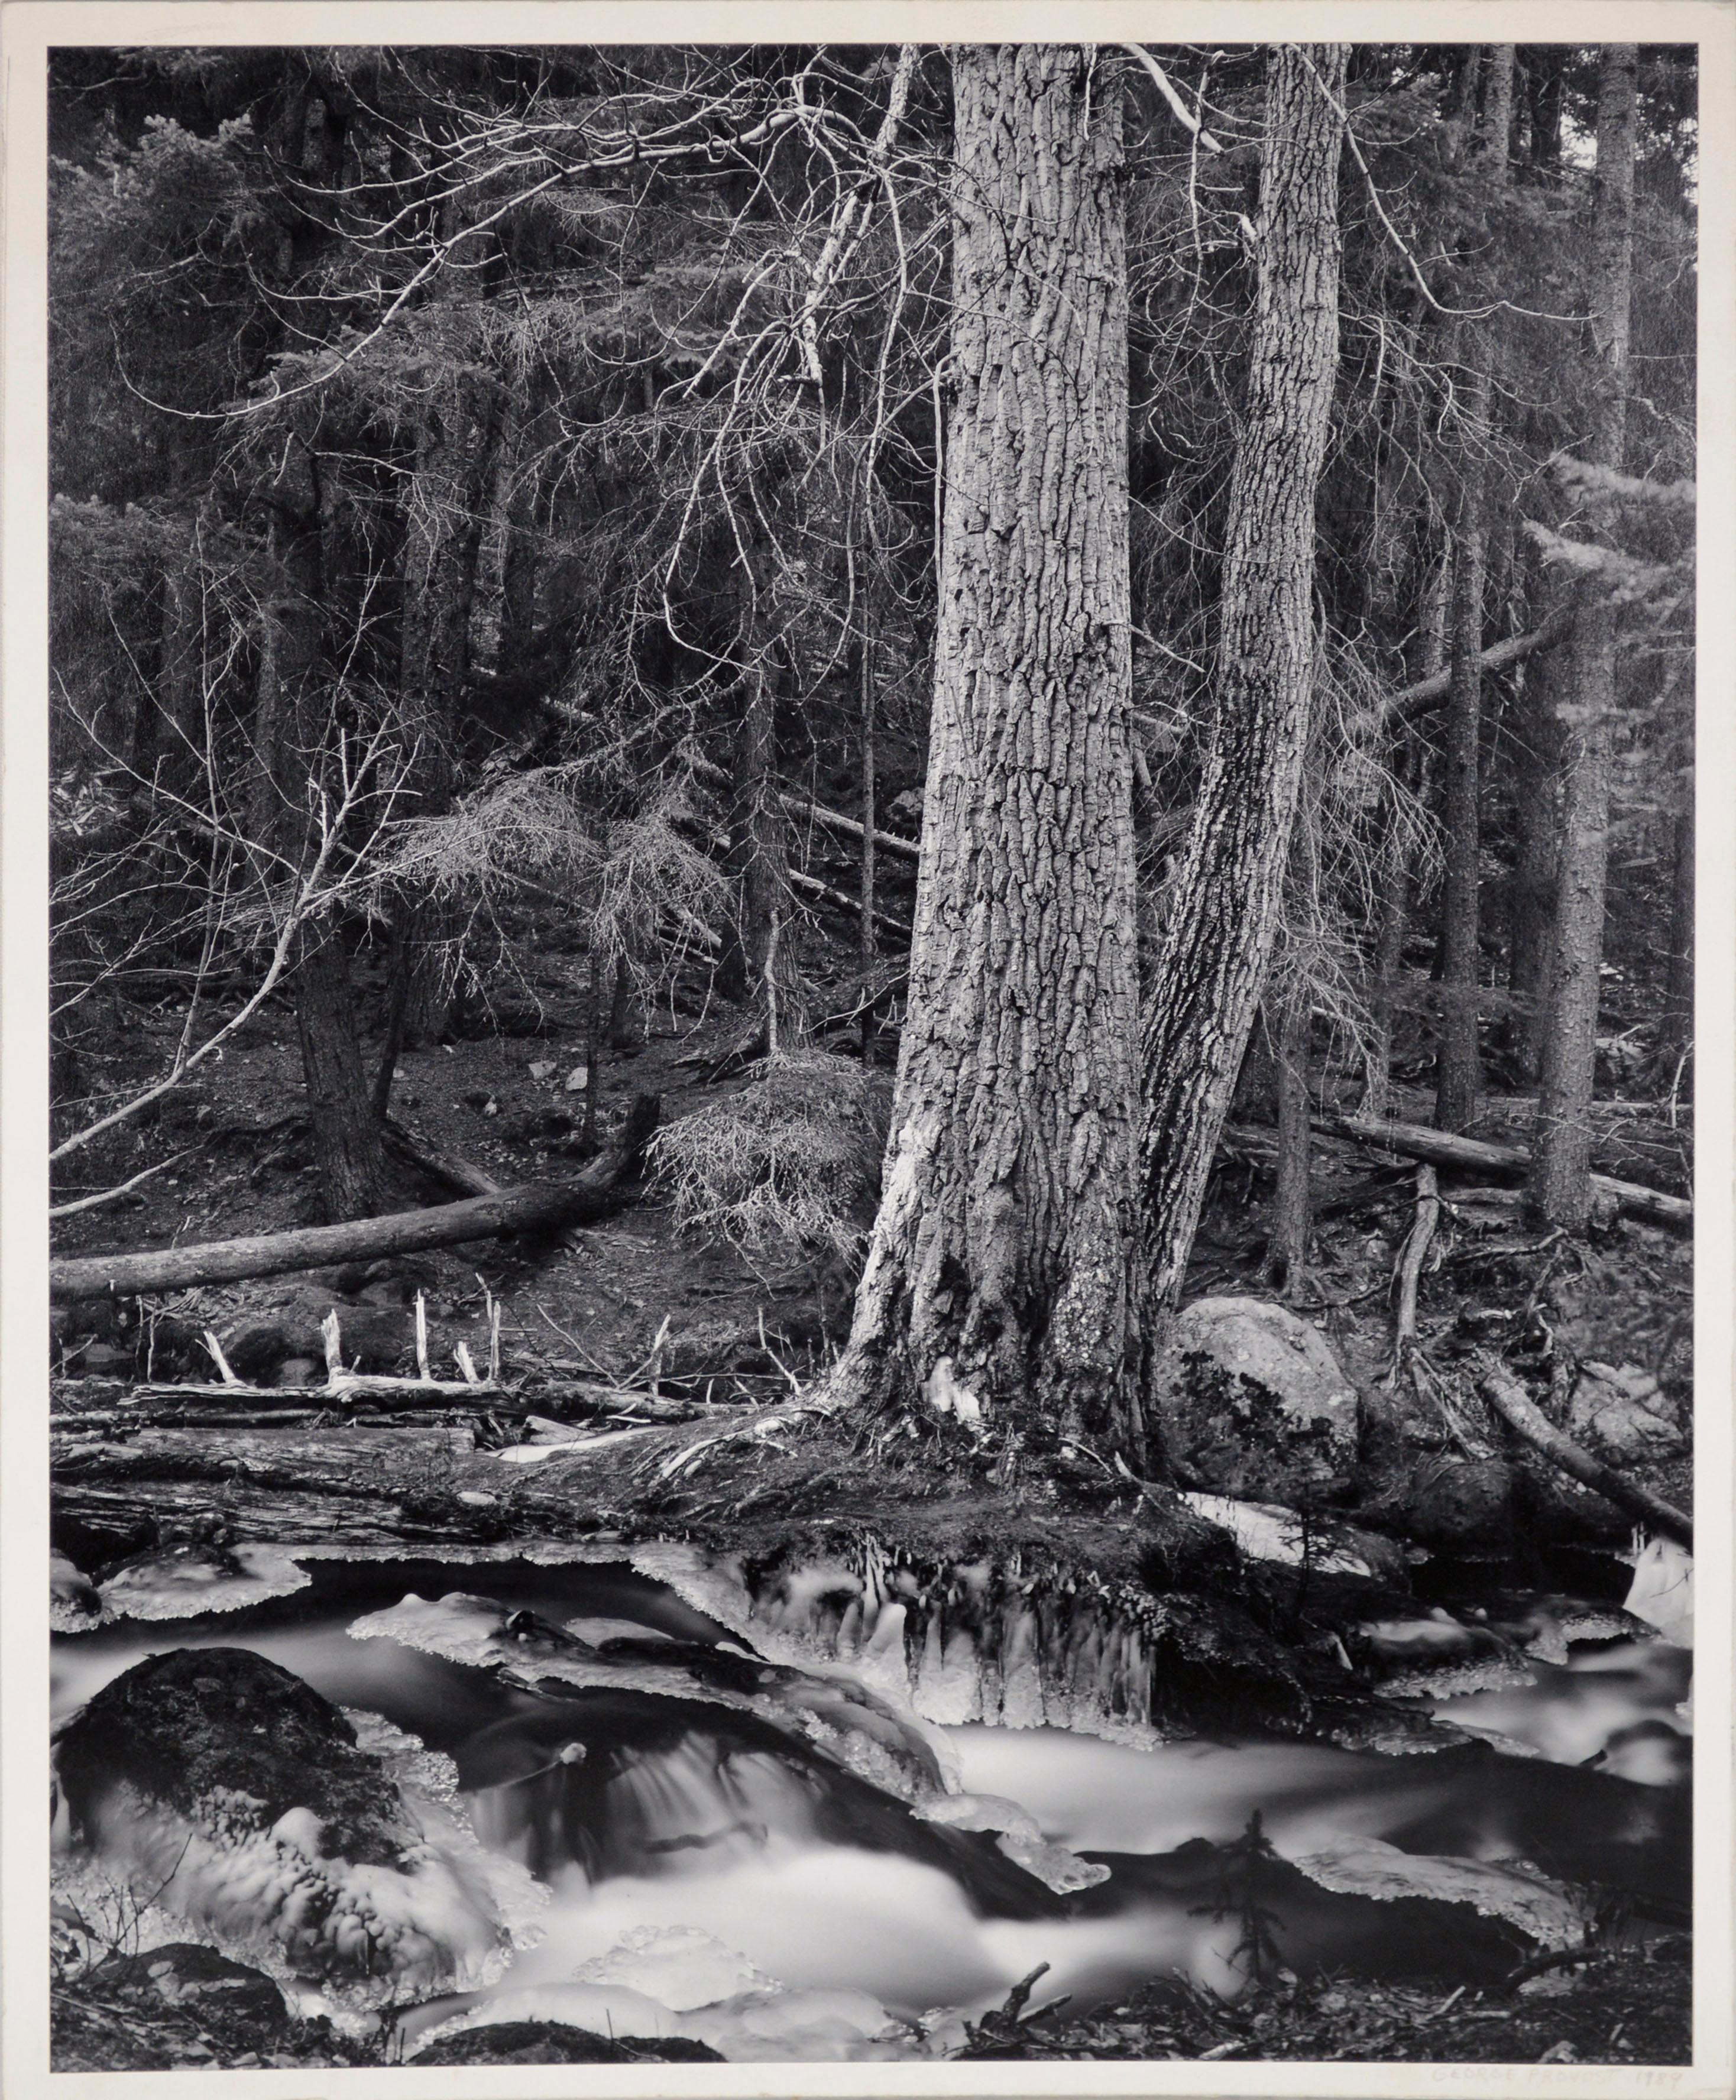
{"x": 632, "y": 1304}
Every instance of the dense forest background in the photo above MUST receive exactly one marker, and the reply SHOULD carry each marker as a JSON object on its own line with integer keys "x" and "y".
{"x": 495, "y": 519}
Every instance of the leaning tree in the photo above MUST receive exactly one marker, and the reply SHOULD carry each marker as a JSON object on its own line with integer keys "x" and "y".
{"x": 1217, "y": 940}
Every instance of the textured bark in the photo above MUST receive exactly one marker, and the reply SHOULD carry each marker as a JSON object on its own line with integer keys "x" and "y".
{"x": 1002, "y": 1256}
{"x": 1217, "y": 940}
{"x": 1292, "y": 1208}
{"x": 345, "y": 1129}
{"x": 1560, "y": 1185}
{"x": 1676, "y": 1033}
{"x": 348, "y": 1156}
{"x": 1536, "y": 781}
{"x": 456, "y": 451}
{"x": 1459, "y": 1078}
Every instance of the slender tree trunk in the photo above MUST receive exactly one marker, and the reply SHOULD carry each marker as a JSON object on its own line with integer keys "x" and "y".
{"x": 1292, "y": 1200}
{"x": 1217, "y": 940}
{"x": 1676, "y": 1033}
{"x": 348, "y": 1155}
{"x": 1397, "y": 875}
{"x": 346, "y": 1136}
{"x": 1459, "y": 1079}
{"x": 870, "y": 951}
{"x": 1003, "y": 1259}
{"x": 621, "y": 1035}
{"x": 444, "y": 529}
{"x": 1536, "y": 783}
{"x": 1459, "y": 1073}
{"x": 758, "y": 862}
{"x": 1561, "y": 1183}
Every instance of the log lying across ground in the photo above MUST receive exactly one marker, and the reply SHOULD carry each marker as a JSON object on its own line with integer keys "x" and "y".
{"x": 1516, "y": 1407}
{"x": 1441, "y": 1149}
{"x": 594, "y": 1191}
{"x": 1415, "y": 700}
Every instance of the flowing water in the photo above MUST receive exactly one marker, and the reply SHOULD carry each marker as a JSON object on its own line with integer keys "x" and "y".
{"x": 653, "y": 1816}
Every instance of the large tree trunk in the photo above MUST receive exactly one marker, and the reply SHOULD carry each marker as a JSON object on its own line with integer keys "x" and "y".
{"x": 1217, "y": 940}
{"x": 1459, "y": 1076}
{"x": 1560, "y": 1184}
{"x": 1002, "y": 1260}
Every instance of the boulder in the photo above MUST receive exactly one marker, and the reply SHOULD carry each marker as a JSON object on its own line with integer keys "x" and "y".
{"x": 1621, "y": 1413}
{"x": 1460, "y": 1505}
{"x": 235, "y": 1797}
{"x": 553, "y": 2041}
{"x": 1253, "y": 1403}
{"x": 229, "y": 2000}
{"x": 374, "y": 1337}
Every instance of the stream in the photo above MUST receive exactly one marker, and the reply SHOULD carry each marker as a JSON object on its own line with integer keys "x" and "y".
{"x": 697, "y": 1863}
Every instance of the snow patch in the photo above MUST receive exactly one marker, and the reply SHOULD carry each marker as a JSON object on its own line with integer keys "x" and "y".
{"x": 1268, "y": 1531}
{"x": 1549, "y": 1913}
{"x": 1662, "y": 1592}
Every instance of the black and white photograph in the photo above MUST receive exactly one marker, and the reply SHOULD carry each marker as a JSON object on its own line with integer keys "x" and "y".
{"x": 860, "y": 1236}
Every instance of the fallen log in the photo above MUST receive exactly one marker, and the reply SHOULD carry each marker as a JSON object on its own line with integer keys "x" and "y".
{"x": 444, "y": 1167}
{"x": 1520, "y": 1413}
{"x": 1416, "y": 699}
{"x": 1475, "y": 1154}
{"x": 596, "y": 1191}
{"x": 808, "y": 886}
{"x": 829, "y": 820}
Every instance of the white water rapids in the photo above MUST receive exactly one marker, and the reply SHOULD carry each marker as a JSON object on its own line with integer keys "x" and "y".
{"x": 710, "y": 1872}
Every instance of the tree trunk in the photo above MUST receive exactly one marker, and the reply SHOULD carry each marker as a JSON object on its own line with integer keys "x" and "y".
{"x": 1676, "y": 1034}
{"x": 1002, "y": 1260}
{"x": 1560, "y": 1185}
{"x": 443, "y": 536}
{"x": 348, "y": 1155}
{"x": 1411, "y": 769}
{"x": 758, "y": 862}
{"x": 1218, "y": 938}
{"x": 340, "y": 1097}
{"x": 870, "y": 951}
{"x": 1459, "y": 1077}
{"x": 1536, "y": 777}
{"x": 1292, "y": 1205}
{"x": 1458, "y": 1070}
